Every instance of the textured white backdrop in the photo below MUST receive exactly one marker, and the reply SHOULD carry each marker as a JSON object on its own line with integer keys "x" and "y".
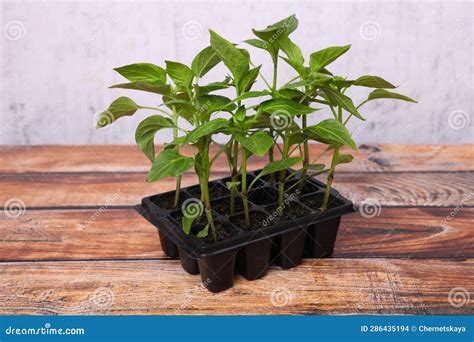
{"x": 57, "y": 57}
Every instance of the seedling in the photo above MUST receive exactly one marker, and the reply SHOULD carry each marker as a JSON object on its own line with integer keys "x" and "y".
{"x": 277, "y": 126}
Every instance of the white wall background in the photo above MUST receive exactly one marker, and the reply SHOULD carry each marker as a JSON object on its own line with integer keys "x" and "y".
{"x": 57, "y": 57}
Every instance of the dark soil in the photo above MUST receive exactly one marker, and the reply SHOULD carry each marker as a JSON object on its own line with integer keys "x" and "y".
{"x": 258, "y": 220}
{"x": 166, "y": 200}
{"x": 223, "y": 232}
{"x": 289, "y": 211}
{"x": 316, "y": 201}
{"x": 263, "y": 195}
{"x": 215, "y": 191}
{"x": 178, "y": 216}
{"x": 223, "y": 206}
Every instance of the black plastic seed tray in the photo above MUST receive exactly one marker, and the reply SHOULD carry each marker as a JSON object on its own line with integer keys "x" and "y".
{"x": 303, "y": 231}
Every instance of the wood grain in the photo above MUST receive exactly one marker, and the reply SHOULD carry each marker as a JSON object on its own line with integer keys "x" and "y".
{"x": 127, "y": 158}
{"x": 123, "y": 234}
{"x": 119, "y": 189}
{"x": 340, "y": 286}
{"x": 80, "y": 248}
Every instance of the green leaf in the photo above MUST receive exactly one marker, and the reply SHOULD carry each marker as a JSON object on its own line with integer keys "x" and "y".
{"x": 259, "y": 44}
{"x": 180, "y": 73}
{"x": 169, "y": 163}
{"x": 279, "y": 30}
{"x": 315, "y": 79}
{"x": 336, "y": 97}
{"x": 296, "y": 138}
{"x": 258, "y": 143}
{"x": 314, "y": 167}
{"x": 206, "y": 129}
{"x": 252, "y": 94}
{"x": 373, "y": 82}
{"x": 332, "y": 132}
{"x": 284, "y": 106}
{"x": 202, "y": 90}
{"x": 182, "y": 105}
{"x": 341, "y": 82}
{"x": 208, "y": 104}
{"x": 385, "y": 94}
{"x": 235, "y": 60}
{"x": 272, "y": 48}
{"x": 187, "y": 222}
{"x": 321, "y": 58}
{"x": 239, "y": 115}
{"x": 231, "y": 185}
{"x": 344, "y": 158}
{"x": 292, "y": 50}
{"x": 204, "y": 232}
{"x": 291, "y": 94}
{"x": 123, "y": 106}
{"x": 145, "y": 133}
{"x": 276, "y": 166}
{"x": 142, "y": 72}
{"x": 300, "y": 69}
{"x": 248, "y": 79}
{"x": 156, "y": 87}
{"x": 204, "y": 61}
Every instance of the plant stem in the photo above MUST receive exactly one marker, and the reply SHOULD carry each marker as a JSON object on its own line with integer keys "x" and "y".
{"x": 333, "y": 165}
{"x": 205, "y": 190}
{"x": 270, "y": 159}
{"x": 330, "y": 178}
{"x": 275, "y": 74}
{"x": 281, "y": 184}
{"x": 175, "y": 136}
{"x": 305, "y": 154}
{"x": 244, "y": 187}
{"x": 235, "y": 176}
{"x": 178, "y": 190}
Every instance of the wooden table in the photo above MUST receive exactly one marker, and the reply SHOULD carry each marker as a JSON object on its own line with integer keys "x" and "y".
{"x": 80, "y": 248}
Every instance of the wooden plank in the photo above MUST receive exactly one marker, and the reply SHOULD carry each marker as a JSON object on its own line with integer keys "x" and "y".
{"x": 389, "y": 189}
{"x": 329, "y": 286}
{"x": 408, "y": 189}
{"x": 408, "y": 233}
{"x": 127, "y": 158}
{"x": 123, "y": 234}
{"x": 78, "y": 234}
